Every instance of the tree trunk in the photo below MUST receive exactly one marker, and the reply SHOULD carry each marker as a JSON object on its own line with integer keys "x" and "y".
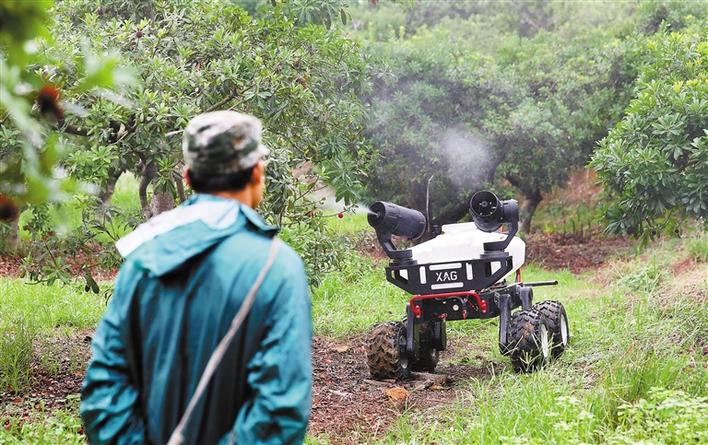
{"x": 180, "y": 189}
{"x": 12, "y": 238}
{"x": 148, "y": 173}
{"x": 162, "y": 201}
{"x": 531, "y": 202}
{"x": 110, "y": 187}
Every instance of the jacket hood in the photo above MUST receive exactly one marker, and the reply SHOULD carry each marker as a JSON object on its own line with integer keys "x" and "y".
{"x": 165, "y": 242}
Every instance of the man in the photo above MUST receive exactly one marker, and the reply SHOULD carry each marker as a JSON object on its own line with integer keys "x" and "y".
{"x": 185, "y": 276}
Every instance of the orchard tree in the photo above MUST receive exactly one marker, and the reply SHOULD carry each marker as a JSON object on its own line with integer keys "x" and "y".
{"x": 577, "y": 89}
{"x": 32, "y": 109}
{"x": 200, "y": 56}
{"x": 482, "y": 98}
{"x": 303, "y": 80}
{"x": 441, "y": 111}
{"x": 654, "y": 163}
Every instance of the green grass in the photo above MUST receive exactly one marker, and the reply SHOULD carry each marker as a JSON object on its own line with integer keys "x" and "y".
{"x": 634, "y": 373}
{"x": 350, "y": 224}
{"x": 68, "y": 217}
{"x": 49, "y": 307}
{"x": 62, "y": 427}
{"x": 32, "y": 312}
{"x": 555, "y": 217}
{"x": 125, "y": 194}
{"x": 346, "y": 304}
{"x": 697, "y": 248}
{"x": 635, "y": 365}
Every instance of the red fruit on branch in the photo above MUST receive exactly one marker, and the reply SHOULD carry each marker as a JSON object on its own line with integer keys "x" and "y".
{"x": 8, "y": 209}
{"x": 48, "y": 102}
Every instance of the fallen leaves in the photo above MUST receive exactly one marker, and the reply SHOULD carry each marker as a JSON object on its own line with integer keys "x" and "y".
{"x": 397, "y": 395}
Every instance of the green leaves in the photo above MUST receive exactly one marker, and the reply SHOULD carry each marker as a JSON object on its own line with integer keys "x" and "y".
{"x": 130, "y": 76}
{"x": 654, "y": 163}
{"x": 35, "y": 74}
{"x": 101, "y": 72}
{"x": 20, "y": 22}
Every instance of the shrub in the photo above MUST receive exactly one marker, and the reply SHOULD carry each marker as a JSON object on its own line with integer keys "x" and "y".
{"x": 698, "y": 249}
{"x": 654, "y": 163}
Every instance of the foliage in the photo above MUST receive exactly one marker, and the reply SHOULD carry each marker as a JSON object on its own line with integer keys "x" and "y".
{"x": 654, "y": 163}
{"x": 646, "y": 279}
{"x": 16, "y": 337}
{"x": 31, "y": 146}
{"x": 441, "y": 112}
{"x": 303, "y": 80}
{"x": 581, "y": 219}
{"x": 698, "y": 248}
{"x": 50, "y": 242}
{"x": 667, "y": 416}
{"x": 321, "y": 252}
{"x": 572, "y": 70}
{"x": 61, "y": 427}
{"x": 475, "y": 95}
{"x": 210, "y": 56}
{"x": 576, "y": 89}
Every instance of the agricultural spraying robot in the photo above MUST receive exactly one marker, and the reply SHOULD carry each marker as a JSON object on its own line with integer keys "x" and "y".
{"x": 461, "y": 274}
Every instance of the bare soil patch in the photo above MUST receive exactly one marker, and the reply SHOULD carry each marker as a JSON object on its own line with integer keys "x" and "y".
{"x": 345, "y": 400}
{"x": 346, "y": 404}
{"x": 11, "y": 266}
{"x": 57, "y": 370}
{"x": 574, "y": 252}
{"x": 368, "y": 245}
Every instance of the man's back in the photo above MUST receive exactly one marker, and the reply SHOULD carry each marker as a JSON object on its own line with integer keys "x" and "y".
{"x": 175, "y": 298}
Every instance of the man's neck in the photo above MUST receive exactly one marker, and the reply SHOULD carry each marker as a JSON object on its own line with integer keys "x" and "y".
{"x": 244, "y": 196}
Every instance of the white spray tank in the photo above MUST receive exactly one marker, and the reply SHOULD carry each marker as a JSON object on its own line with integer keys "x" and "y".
{"x": 464, "y": 241}
{"x": 469, "y": 256}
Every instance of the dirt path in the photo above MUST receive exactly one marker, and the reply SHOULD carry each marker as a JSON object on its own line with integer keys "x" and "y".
{"x": 345, "y": 402}
{"x": 574, "y": 252}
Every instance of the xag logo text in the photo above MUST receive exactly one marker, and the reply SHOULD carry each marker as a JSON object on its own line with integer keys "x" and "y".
{"x": 446, "y": 276}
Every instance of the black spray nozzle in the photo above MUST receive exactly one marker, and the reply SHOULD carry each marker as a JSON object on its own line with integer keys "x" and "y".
{"x": 396, "y": 220}
{"x": 489, "y": 213}
{"x": 390, "y": 219}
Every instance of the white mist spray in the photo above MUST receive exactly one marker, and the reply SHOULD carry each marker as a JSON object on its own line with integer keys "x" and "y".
{"x": 468, "y": 156}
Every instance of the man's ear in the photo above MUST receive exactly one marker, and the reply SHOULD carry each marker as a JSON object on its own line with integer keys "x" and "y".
{"x": 185, "y": 175}
{"x": 258, "y": 173}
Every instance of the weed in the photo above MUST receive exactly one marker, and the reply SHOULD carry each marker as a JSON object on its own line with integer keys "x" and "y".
{"x": 577, "y": 219}
{"x": 62, "y": 427}
{"x": 645, "y": 280}
{"x": 698, "y": 249}
{"x": 31, "y": 312}
{"x": 665, "y": 416}
{"x": 635, "y": 364}
{"x": 51, "y": 306}
{"x": 49, "y": 357}
{"x": 16, "y": 337}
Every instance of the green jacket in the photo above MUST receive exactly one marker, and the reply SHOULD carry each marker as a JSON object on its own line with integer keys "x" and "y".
{"x": 184, "y": 278}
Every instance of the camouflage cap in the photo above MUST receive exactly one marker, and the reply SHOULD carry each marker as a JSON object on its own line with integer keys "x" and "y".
{"x": 222, "y": 142}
